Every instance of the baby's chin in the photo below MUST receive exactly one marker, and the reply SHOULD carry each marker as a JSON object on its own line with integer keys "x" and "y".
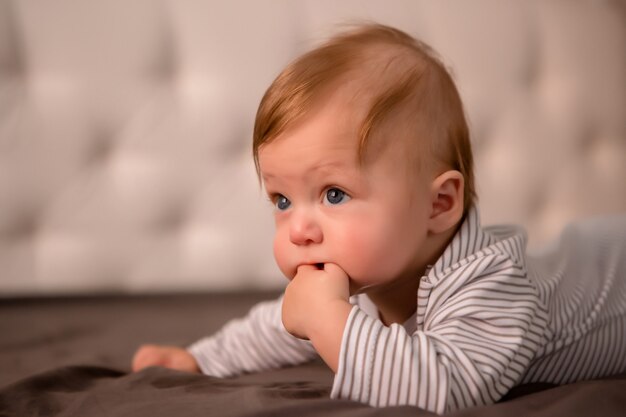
{"x": 356, "y": 289}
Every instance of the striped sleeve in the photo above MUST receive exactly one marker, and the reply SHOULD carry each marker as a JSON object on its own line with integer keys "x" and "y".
{"x": 470, "y": 350}
{"x": 254, "y": 343}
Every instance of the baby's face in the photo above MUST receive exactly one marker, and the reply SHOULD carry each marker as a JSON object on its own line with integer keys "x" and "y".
{"x": 369, "y": 219}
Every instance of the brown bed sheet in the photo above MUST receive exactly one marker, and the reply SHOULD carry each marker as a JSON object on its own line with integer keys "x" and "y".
{"x": 70, "y": 357}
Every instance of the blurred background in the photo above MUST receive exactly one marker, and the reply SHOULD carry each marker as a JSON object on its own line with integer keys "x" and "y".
{"x": 125, "y": 127}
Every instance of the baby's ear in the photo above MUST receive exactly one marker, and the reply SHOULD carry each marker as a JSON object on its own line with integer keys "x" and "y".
{"x": 447, "y": 201}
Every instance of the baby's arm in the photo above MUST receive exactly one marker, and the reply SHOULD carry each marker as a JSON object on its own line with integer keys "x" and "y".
{"x": 254, "y": 343}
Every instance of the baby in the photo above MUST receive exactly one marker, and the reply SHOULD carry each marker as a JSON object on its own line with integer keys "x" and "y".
{"x": 363, "y": 148}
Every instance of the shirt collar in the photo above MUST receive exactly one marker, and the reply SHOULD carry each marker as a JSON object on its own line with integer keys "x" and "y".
{"x": 470, "y": 239}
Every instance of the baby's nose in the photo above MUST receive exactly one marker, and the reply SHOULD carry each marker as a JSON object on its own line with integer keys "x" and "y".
{"x": 304, "y": 229}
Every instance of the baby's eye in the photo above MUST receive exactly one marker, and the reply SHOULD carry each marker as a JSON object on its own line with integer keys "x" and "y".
{"x": 282, "y": 203}
{"x": 335, "y": 196}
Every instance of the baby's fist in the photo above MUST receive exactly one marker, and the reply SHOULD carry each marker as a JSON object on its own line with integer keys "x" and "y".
{"x": 171, "y": 357}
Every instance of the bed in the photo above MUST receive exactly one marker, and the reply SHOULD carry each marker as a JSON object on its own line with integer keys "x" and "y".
{"x": 70, "y": 356}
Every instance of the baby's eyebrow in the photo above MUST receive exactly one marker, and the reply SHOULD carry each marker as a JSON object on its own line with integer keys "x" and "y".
{"x": 265, "y": 176}
{"x": 330, "y": 167}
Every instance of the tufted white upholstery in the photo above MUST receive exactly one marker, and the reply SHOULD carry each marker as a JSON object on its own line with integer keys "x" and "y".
{"x": 125, "y": 127}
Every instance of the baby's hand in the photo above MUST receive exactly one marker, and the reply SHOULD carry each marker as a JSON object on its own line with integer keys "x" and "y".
{"x": 171, "y": 357}
{"x": 313, "y": 296}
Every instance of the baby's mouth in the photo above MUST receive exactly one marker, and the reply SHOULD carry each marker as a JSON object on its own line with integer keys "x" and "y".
{"x": 317, "y": 265}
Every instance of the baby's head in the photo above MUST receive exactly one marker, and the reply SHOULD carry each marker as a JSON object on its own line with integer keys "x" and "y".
{"x": 363, "y": 146}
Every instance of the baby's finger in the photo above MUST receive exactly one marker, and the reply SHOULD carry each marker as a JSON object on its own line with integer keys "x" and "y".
{"x": 335, "y": 270}
{"x": 306, "y": 267}
{"x": 147, "y": 355}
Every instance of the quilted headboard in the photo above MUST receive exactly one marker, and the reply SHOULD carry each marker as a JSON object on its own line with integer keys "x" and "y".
{"x": 125, "y": 127}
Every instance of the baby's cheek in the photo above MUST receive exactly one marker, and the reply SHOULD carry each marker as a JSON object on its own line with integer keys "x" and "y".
{"x": 282, "y": 258}
{"x": 371, "y": 257}
{"x": 360, "y": 253}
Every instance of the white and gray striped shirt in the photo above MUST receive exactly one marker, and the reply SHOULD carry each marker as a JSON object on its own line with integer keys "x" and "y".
{"x": 488, "y": 317}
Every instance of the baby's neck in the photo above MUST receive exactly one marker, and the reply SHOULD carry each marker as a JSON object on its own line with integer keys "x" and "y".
{"x": 396, "y": 305}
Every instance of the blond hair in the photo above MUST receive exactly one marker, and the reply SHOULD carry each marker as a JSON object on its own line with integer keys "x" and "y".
{"x": 407, "y": 78}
